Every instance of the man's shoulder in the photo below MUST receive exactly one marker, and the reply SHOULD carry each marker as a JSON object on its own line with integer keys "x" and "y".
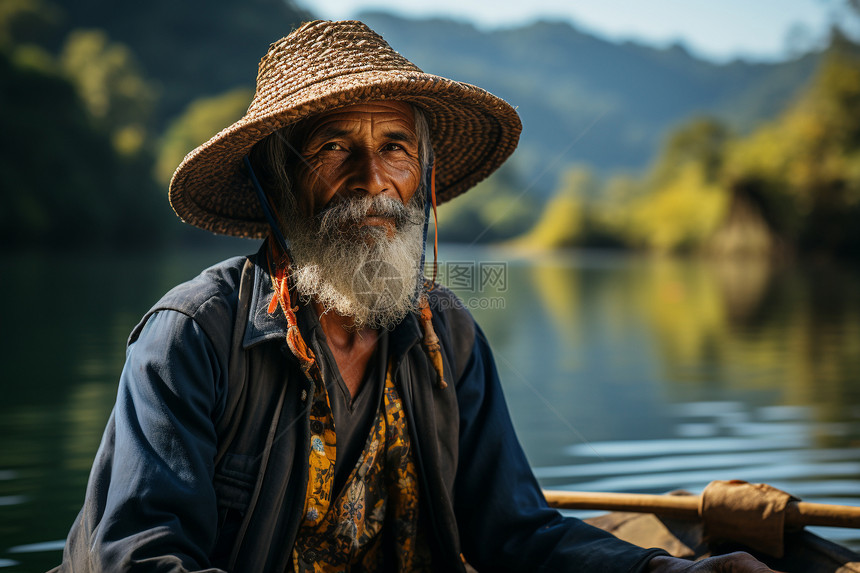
{"x": 210, "y": 298}
{"x": 218, "y": 284}
{"x": 456, "y": 322}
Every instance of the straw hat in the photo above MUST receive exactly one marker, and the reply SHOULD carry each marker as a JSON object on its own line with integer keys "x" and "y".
{"x": 320, "y": 67}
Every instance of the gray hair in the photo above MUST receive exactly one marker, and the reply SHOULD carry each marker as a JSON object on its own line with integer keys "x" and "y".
{"x": 275, "y": 157}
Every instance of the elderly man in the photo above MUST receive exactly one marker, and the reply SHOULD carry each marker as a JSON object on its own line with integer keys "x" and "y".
{"x": 318, "y": 406}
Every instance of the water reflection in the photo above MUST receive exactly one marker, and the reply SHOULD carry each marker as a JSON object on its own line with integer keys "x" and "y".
{"x": 65, "y": 321}
{"x": 634, "y": 374}
{"x": 622, "y": 373}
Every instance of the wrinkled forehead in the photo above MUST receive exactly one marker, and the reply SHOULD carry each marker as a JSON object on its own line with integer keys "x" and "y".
{"x": 381, "y": 115}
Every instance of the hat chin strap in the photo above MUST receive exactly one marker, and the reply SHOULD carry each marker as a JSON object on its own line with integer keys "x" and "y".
{"x": 430, "y": 205}
{"x": 432, "y": 345}
{"x": 435, "y": 222}
{"x": 268, "y": 209}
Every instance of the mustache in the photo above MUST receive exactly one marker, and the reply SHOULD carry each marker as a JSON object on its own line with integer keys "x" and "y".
{"x": 342, "y": 212}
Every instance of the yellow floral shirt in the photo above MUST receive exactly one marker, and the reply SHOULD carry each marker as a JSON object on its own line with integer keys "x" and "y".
{"x": 379, "y": 500}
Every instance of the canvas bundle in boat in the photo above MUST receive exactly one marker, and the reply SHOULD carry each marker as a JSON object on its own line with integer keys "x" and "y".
{"x": 755, "y": 512}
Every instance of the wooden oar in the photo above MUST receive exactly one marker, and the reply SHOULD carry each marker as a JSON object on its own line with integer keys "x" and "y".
{"x": 797, "y": 513}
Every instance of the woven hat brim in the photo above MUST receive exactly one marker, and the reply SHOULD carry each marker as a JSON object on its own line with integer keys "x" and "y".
{"x": 473, "y": 133}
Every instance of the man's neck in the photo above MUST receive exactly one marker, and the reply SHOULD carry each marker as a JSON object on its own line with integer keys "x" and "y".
{"x": 351, "y": 347}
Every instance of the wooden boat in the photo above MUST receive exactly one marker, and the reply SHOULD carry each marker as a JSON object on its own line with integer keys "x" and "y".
{"x": 805, "y": 552}
{"x": 684, "y": 529}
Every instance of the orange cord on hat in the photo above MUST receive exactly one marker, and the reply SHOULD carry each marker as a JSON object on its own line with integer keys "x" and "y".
{"x": 431, "y": 340}
{"x": 281, "y": 296}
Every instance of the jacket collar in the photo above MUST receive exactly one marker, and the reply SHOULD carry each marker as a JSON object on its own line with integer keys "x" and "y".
{"x": 263, "y": 326}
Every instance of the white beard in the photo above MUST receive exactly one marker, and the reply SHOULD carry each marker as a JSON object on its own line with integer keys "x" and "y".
{"x": 357, "y": 270}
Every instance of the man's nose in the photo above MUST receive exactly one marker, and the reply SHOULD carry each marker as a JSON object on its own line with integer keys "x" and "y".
{"x": 368, "y": 175}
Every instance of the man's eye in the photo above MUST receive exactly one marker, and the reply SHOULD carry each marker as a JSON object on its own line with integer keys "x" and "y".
{"x": 331, "y": 146}
{"x": 392, "y": 147}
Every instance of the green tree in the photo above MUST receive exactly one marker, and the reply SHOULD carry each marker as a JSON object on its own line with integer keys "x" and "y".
{"x": 202, "y": 119}
{"x": 111, "y": 86}
{"x": 28, "y": 22}
{"x": 702, "y": 141}
{"x": 497, "y": 209}
{"x": 679, "y": 215}
{"x": 563, "y": 221}
{"x": 53, "y": 162}
{"x": 63, "y": 181}
{"x": 806, "y": 163}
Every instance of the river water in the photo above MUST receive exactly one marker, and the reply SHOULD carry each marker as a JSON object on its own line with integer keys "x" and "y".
{"x": 622, "y": 373}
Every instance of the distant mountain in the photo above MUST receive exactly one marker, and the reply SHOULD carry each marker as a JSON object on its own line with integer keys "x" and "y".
{"x": 583, "y": 99}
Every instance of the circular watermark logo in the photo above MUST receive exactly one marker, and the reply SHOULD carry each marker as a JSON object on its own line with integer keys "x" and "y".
{"x": 379, "y": 285}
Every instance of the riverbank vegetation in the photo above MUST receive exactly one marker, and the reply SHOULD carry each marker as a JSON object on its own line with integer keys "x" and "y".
{"x": 792, "y": 185}
{"x": 97, "y": 100}
{"x": 76, "y": 146}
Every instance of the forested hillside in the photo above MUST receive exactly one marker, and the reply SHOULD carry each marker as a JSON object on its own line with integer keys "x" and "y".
{"x": 789, "y": 187}
{"x": 586, "y": 100}
{"x": 101, "y": 100}
{"x": 186, "y": 49}
{"x": 87, "y": 91}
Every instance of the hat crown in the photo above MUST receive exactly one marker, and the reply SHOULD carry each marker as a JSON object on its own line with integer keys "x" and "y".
{"x": 320, "y": 67}
{"x": 319, "y": 51}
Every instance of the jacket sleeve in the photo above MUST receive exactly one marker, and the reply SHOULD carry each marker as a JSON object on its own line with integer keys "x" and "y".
{"x": 503, "y": 519}
{"x": 150, "y": 503}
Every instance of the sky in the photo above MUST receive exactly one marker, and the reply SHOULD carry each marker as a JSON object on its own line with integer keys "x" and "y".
{"x": 719, "y": 30}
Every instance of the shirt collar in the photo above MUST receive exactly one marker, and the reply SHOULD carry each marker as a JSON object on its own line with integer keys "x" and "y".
{"x": 262, "y": 326}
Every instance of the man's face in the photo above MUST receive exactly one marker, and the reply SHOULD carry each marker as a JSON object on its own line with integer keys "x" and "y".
{"x": 356, "y": 228}
{"x": 362, "y": 150}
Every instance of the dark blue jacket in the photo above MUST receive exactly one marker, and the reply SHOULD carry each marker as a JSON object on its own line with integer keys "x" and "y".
{"x": 203, "y": 465}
